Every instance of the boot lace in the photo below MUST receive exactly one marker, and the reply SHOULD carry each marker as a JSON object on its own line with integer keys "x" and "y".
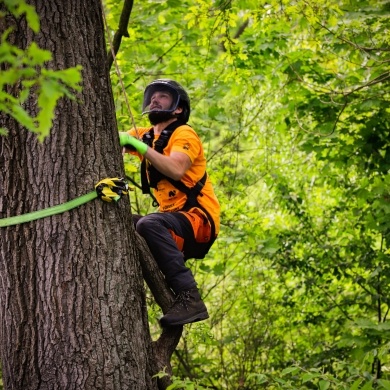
{"x": 181, "y": 301}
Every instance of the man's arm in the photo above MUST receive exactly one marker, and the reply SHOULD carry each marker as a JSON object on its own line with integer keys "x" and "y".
{"x": 174, "y": 166}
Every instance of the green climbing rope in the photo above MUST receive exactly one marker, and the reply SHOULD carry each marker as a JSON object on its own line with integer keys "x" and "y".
{"x": 49, "y": 211}
{"x": 110, "y": 189}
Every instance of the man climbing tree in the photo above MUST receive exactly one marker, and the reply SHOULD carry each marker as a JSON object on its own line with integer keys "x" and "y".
{"x": 174, "y": 165}
{"x": 72, "y": 311}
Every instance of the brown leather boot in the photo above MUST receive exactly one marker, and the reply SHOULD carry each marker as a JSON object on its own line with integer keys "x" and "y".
{"x": 188, "y": 307}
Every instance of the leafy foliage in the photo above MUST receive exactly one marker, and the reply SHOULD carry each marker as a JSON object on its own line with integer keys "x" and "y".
{"x": 26, "y": 71}
{"x": 291, "y": 101}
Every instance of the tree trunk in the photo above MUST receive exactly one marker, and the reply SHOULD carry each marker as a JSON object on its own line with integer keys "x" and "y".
{"x": 72, "y": 309}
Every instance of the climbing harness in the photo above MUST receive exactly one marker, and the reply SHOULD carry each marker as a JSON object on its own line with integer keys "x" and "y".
{"x": 108, "y": 190}
{"x": 150, "y": 177}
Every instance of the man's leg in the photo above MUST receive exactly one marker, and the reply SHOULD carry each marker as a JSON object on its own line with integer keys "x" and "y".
{"x": 159, "y": 230}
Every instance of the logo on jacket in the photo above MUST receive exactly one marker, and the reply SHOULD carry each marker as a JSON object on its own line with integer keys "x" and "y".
{"x": 186, "y": 146}
{"x": 172, "y": 193}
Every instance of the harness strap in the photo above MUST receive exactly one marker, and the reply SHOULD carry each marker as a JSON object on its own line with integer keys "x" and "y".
{"x": 144, "y": 178}
{"x": 192, "y": 198}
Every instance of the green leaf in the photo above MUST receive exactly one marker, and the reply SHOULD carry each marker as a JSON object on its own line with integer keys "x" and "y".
{"x": 385, "y": 384}
{"x": 31, "y": 16}
{"x": 324, "y": 385}
{"x": 71, "y": 76}
{"x": 309, "y": 376}
{"x": 37, "y": 56}
{"x": 49, "y": 93}
{"x": 356, "y": 384}
{"x": 22, "y": 116}
{"x": 290, "y": 370}
{"x": 367, "y": 386}
{"x": 20, "y": 7}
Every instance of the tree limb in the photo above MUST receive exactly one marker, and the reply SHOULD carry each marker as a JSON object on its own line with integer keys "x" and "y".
{"x": 166, "y": 344}
{"x": 122, "y": 30}
{"x": 355, "y": 45}
{"x": 238, "y": 33}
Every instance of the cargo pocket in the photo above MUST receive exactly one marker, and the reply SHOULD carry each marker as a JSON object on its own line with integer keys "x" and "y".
{"x": 200, "y": 224}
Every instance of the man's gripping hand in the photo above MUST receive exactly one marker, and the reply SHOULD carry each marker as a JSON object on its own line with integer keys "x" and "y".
{"x": 128, "y": 141}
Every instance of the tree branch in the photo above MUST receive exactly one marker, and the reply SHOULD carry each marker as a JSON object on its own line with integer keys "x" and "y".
{"x": 238, "y": 33}
{"x": 241, "y": 29}
{"x": 355, "y": 45}
{"x": 164, "y": 347}
{"x": 122, "y": 30}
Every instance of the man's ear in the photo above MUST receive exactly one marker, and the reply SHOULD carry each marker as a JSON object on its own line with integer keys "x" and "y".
{"x": 178, "y": 110}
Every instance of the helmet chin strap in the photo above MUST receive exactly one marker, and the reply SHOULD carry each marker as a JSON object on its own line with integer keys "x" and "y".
{"x": 156, "y": 117}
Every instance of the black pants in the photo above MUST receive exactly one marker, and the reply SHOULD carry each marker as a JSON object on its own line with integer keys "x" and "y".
{"x": 155, "y": 229}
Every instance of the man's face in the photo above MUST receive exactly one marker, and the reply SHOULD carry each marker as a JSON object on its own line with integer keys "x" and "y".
{"x": 161, "y": 100}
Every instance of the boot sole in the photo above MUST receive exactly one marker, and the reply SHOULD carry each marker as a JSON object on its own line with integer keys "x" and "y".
{"x": 196, "y": 318}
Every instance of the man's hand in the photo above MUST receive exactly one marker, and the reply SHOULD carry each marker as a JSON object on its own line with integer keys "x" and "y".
{"x": 126, "y": 140}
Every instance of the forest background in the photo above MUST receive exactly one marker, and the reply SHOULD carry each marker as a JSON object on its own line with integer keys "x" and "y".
{"x": 291, "y": 100}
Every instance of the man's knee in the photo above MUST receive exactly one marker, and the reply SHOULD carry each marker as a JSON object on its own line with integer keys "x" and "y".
{"x": 146, "y": 224}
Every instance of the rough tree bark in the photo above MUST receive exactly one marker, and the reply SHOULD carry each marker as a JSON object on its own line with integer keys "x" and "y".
{"x": 72, "y": 304}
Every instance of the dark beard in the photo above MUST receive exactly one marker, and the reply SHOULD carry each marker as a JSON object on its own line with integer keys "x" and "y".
{"x": 156, "y": 117}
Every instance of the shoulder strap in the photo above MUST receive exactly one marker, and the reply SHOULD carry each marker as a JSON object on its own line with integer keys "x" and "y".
{"x": 147, "y": 138}
{"x": 154, "y": 176}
